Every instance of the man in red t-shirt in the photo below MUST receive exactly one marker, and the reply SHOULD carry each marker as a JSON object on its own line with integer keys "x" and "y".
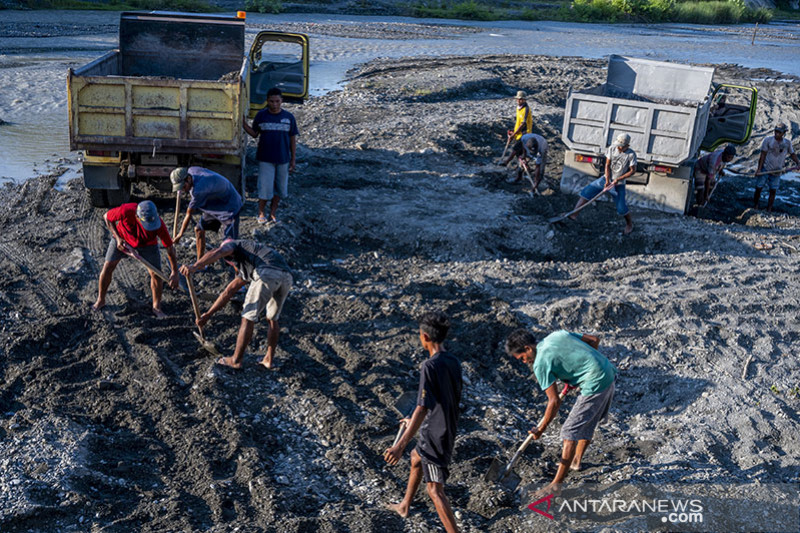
{"x": 138, "y": 227}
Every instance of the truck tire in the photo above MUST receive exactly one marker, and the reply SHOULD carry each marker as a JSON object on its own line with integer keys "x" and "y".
{"x": 110, "y": 197}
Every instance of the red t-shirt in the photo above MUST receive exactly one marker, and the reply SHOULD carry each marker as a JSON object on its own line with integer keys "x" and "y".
{"x": 132, "y": 232}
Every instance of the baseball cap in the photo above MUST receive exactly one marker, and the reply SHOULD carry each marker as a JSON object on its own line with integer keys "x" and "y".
{"x": 177, "y": 178}
{"x": 521, "y": 94}
{"x": 147, "y": 215}
{"x": 781, "y": 127}
{"x": 623, "y": 139}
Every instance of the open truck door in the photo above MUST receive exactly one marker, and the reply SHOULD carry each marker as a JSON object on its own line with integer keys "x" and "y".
{"x": 732, "y": 114}
{"x": 279, "y": 60}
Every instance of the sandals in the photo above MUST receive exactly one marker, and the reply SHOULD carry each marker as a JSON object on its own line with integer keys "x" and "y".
{"x": 261, "y": 219}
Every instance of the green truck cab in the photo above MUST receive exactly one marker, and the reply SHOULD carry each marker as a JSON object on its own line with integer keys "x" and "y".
{"x": 174, "y": 94}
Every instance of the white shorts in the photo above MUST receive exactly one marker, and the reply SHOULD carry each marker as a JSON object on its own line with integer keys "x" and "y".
{"x": 268, "y": 293}
{"x": 273, "y": 180}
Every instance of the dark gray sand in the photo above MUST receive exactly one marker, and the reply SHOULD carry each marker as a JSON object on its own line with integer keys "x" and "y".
{"x": 115, "y": 421}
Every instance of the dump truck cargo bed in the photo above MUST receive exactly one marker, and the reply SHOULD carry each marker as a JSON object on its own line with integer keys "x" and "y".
{"x": 167, "y": 88}
{"x": 662, "y": 106}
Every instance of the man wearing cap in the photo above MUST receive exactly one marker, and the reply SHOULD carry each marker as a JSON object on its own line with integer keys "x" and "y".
{"x": 214, "y": 196}
{"x": 524, "y": 120}
{"x": 137, "y": 227}
{"x": 706, "y": 171}
{"x": 774, "y": 151}
{"x": 620, "y": 165}
{"x": 270, "y": 282}
{"x": 531, "y": 146}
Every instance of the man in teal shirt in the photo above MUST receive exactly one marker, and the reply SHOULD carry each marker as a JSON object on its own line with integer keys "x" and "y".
{"x": 573, "y": 359}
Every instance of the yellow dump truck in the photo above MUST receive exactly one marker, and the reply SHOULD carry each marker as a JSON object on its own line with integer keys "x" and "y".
{"x": 174, "y": 94}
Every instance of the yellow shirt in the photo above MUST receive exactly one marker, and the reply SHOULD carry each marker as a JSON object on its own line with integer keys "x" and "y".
{"x": 523, "y": 117}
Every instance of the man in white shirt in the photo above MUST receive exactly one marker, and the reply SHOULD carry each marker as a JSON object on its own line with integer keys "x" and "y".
{"x": 774, "y": 151}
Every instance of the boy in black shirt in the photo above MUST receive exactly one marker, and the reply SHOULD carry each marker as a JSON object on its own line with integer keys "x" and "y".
{"x": 436, "y": 418}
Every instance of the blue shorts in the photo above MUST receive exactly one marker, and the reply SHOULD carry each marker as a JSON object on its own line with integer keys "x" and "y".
{"x": 148, "y": 253}
{"x": 594, "y": 188}
{"x": 774, "y": 181}
{"x": 273, "y": 180}
{"x": 209, "y": 222}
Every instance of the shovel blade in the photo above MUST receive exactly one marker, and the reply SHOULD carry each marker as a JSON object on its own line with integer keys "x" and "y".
{"x": 497, "y": 474}
{"x": 495, "y": 469}
{"x": 405, "y": 404}
{"x": 207, "y": 345}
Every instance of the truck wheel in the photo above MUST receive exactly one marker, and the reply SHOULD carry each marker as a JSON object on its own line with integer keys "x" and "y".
{"x": 110, "y": 197}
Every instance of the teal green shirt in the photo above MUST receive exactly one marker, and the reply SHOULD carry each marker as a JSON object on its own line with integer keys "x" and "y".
{"x": 564, "y": 356}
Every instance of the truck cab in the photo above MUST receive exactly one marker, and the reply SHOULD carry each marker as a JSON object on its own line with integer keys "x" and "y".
{"x": 174, "y": 94}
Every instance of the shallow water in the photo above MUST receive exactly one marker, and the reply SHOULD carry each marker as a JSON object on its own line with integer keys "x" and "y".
{"x": 33, "y": 69}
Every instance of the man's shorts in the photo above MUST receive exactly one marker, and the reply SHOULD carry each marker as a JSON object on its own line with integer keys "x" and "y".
{"x": 432, "y": 473}
{"x": 273, "y": 180}
{"x": 774, "y": 181}
{"x": 267, "y": 292}
{"x": 230, "y": 222}
{"x": 587, "y": 412}
{"x": 148, "y": 253}
{"x": 700, "y": 179}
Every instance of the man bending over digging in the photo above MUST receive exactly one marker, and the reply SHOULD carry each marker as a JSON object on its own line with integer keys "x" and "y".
{"x": 270, "y": 282}
{"x": 573, "y": 359}
{"x": 436, "y": 418}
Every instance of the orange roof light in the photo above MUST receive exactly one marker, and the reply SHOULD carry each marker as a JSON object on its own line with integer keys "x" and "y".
{"x": 241, "y": 14}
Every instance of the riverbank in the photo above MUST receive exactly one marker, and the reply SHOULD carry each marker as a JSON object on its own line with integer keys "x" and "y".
{"x": 590, "y": 11}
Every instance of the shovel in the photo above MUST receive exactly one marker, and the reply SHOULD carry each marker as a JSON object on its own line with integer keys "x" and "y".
{"x": 206, "y": 344}
{"x": 404, "y": 405}
{"x": 505, "y": 150}
{"x": 534, "y": 189}
{"x": 577, "y": 209}
{"x": 157, "y": 271}
{"x": 177, "y": 213}
{"x": 504, "y": 474}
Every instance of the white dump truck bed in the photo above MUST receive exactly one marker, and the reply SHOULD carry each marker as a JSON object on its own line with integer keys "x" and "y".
{"x": 664, "y": 107}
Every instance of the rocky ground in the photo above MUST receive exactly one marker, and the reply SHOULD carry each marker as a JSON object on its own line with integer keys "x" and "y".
{"x": 116, "y": 421}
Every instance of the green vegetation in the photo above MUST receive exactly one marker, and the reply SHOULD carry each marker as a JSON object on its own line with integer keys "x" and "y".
{"x": 465, "y": 10}
{"x": 264, "y": 6}
{"x": 691, "y": 11}
{"x": 121, "y": 5}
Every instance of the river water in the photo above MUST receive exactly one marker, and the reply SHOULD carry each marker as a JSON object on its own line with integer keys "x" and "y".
{"x": 33, "y": 63}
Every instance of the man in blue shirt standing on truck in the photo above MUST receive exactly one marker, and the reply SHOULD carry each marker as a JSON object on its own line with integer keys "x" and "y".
{"x": 276, "y": 130}
{"x": 572, "y": 358}
{"x": 214, "y": 196}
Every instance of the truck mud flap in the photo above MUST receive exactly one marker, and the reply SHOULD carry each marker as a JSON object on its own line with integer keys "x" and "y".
{"x": 102, "y": 177}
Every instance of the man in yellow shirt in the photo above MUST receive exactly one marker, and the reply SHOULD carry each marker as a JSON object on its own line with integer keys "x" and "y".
{"x": 524, "y": 123}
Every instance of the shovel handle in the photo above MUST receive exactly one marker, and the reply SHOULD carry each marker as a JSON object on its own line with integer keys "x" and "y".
{"x": 399, "y": 435}
{"x": 177, "y": 213}
{"x": 193, "y": 297}
{"x": 133, "y": 253}
{"x": 529, "y": 438}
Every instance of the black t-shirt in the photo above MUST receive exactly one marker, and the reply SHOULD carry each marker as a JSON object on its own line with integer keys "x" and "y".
{"x": 440, "y": 392}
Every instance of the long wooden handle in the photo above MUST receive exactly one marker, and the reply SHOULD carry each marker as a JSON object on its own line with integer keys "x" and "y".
{"x": 528, "y": 440}
{"x": 193, "y": 296}
{"x": 177, "y": 214}
{"x": 133, "y": 253}
{"x": 399, "y": 434}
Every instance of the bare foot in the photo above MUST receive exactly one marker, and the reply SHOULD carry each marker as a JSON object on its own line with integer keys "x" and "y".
{"x": 265, "y": 364}
{"x": 159, "y": 313}
{"x": 547, "y": 491}
{"x": 98, "y": 305}
{"x": 628, "y": 229}
{"x": 575, "y": 466}
{"x": 228, "y": 362}
{"x": 398, "y": 508}
{"x": 573, "y": 217}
